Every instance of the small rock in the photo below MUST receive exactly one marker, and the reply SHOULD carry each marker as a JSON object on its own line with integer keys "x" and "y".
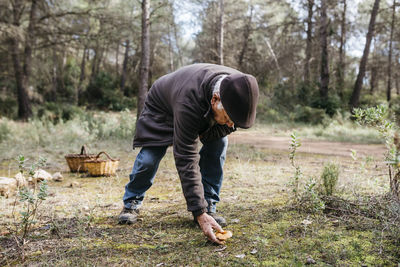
{"x": 41, "y": 175}
{"x": 235, "y": 220}
{"x": 58, "y": 177}
{"x": 7, "y": 186}
{"x": 254, "y": 251}
{"x": 306, "y": 222}
{"x": 74, "y": 184}
{"x": 310, "y": 261}
{"x": 240, "y": 256}
{"x": 21, "y": 180}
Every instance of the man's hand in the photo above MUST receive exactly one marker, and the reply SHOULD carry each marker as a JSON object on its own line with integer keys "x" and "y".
{"x": 207, "y": 224}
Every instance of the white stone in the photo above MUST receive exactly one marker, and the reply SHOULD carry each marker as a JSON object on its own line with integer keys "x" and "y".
{"x": 41, "y": 175}
{"x": 7, "y": 186}
{"x": 21, "y": 180}
{"x": 58, "y": 177}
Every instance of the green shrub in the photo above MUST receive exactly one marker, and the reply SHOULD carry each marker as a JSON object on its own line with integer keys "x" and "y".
{"x": 331, "y": 104}
{"x": 8, "y": 107}
{"x": 395, "y": 108}
{"x": 368, "y": 100}
{"x": 283, "y": 97}
{"x": 304, "y": 94}
{"x": 329, "y": 177}
{"x": 56, "y": 112}
{"x": 104, "y": 93}
{"x": 308, "y": 114}
{"x": 4, "y": 131}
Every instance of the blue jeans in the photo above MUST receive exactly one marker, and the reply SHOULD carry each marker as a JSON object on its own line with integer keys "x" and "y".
{"x": 212, "y": 159}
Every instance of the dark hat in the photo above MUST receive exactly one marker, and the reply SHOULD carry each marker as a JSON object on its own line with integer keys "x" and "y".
{"x": 239, "y": 96}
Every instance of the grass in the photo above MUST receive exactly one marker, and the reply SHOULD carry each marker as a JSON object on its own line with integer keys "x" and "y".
{"x": 78, "y": 226}
{"x": 335, "y": 130}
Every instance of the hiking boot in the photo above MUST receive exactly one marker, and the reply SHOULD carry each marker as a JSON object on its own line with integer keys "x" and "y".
{"x": 128, "y": 216}
{"x": 218, "y": 218}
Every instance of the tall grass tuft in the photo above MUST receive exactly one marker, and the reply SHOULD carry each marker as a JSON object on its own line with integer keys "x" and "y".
{"x": 4, "y": 130}
{"x": 330, "y": 177}
{"x": 86, "y": 128}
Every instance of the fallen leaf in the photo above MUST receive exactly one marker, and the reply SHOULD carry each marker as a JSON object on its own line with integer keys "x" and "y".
{"x": 220, "y": 249}
{"x": 160, "y": 264}
{"x": 254, "y": 251}
{"x": 240, "y": 256}
{"x": 306, "y": 222}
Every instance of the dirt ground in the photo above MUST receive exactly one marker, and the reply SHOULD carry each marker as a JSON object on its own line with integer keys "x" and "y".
{"x": 77, "y": 223}
{"x": 260, "y": 140}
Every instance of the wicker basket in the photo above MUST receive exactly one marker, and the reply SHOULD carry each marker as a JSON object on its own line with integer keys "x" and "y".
{"x": 101, "y": 167}
{"x": 76, "y": 161}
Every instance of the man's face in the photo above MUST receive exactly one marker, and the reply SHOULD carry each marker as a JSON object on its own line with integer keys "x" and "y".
{"x": 219, "y": 112}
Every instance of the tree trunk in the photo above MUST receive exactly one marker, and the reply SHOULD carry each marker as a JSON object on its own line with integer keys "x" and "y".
{"x": 389, "y": 69}
{"x": 124, "y": 68}
{"x": 374, "y": 80}
{"x": 324, "y": 51}
{"x": 94, "y": 61}
{"x": 355, "y": 97}
{"x": 310, "y": 6}
{"x": 116, "y": 60}
{"x": 221, "y": 33}
{"x": 145, "y": 57}
{"x": 340, "y": 72}
{"x": 275, "y": 59}
{"x": 82, "y": 75}
{"x": 170, "y": 49}
{"x": 53, "y": 93}
{"x": 180, "y": 60}
{"x": 246, "y": 34}
{"x": 24, "y": 105}
{"x": 22, "y": 74}
{"x": 397, "y": 81}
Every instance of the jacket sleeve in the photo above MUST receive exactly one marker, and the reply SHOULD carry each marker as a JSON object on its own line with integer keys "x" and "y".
{"x": 185, "y": 142}
{"x": 215, "y": 132}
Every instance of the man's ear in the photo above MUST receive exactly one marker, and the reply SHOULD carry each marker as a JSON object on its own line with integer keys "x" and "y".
{"x": 215, "y": 98}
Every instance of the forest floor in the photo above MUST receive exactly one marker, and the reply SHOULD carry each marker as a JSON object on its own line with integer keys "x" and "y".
{"x": 77, "y": 223}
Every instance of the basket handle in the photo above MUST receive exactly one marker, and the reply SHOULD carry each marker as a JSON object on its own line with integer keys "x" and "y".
{"x": 83, "y": 150}
{"x": 108, "y": 156}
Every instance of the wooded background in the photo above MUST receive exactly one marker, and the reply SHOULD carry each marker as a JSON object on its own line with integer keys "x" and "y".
{"x": 312, "y": 58}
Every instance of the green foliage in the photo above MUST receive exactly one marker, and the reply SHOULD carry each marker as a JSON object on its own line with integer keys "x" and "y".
{"x": 102, "y": 127}
{"x": 30, "y": 199}
{"x": 298, "y": 104}
{"x": 103, "y": 93}
{"x": 31, "y": 202}
{"x": 8, "y": 107}
{"x": 371, "y": 100}
{"x": 329, "y": 177}
{"x": 378, "y": 118}
{"x": 330, "y": 105}
{"x": 294, "y": 183}
{"x": 4, "y": 131}
{"x": 70, "y": 80}
{"x": 308, "y": 199}
{"x": 309, "y": 115}
{"x": 395, "y": 108}
{"x": 56, "y": 112}
{"x": 22, "y": 167}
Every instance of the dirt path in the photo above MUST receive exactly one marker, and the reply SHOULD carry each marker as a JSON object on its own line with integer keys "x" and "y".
{"x": 260, "y": 140}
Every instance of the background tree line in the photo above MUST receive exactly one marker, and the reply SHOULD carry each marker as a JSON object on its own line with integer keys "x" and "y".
{"x": 57, "y": 55}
